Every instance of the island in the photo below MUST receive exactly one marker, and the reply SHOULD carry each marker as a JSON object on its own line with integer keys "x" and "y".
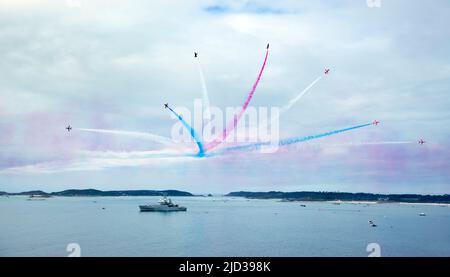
{"x": 95, "y": 192}
{"x": 343, "y": 196}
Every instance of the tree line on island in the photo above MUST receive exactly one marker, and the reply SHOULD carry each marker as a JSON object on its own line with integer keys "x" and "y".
{"x": 343, "y": 196}
{"x": 95, "y": 192}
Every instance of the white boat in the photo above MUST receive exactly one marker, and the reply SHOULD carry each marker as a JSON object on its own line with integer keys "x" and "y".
{"x": 38, "y": 197}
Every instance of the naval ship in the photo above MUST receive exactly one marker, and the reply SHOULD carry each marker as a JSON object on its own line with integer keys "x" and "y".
{"x": 165, "y": 205}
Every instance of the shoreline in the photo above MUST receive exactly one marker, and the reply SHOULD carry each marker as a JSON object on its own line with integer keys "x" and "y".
{"x": 335, "y": 202}
{"x": 346, "y": 197}
{"x": 356, "y": 202}
{"x": 335, "y": 198}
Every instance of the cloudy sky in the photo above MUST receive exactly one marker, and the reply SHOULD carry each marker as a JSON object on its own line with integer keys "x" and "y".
{"x": 112, "y": 64}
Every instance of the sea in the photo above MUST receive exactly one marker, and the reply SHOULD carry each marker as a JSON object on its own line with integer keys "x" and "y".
{"x": 220, "y": 226}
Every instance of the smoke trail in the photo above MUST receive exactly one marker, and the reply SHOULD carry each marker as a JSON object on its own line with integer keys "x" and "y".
{"x": 207, "y": 112}
{"x": 142, "y": 135}
{"x": 301, "y": 139}
{"x": 289, "y": 141}
{"x": 165, "y": 153}
{"x": 294, "y": 100}
{"x": 288, "y": 106}
{"x": 350, "y": 144}
{"x": 192, "y": 132}
{"x": 299, "y": 96}
{"x": 232, "y": 125}
{"x": 93, "y": 160}
{"x": 372, "y": 143}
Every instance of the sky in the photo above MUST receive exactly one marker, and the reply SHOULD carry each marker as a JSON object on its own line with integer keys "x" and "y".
{"x": 112, "y": 64}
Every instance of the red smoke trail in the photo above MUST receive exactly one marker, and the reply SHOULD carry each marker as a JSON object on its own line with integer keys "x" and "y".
{"x": 232, "y": 125}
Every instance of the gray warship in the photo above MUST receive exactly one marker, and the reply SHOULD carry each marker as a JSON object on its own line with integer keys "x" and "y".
{"x": 165, "y": 205}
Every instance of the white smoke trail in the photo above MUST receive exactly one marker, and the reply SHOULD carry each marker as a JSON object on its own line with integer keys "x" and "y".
{"x": 142, "y": 135}
{"x": 206, "y": 109}
{"x": 382, "y": 143}
{"x": 287, "y": 107}
{"x": 299, "y": 96}
{"x": 350, "y": 144}
{"x": 361, "y": 143}
{"x": 93, "y": 160}
{"x": 163, "y": 153}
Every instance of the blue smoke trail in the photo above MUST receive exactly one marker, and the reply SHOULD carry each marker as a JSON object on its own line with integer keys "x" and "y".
{"x": 201, "y": 150}
{"x": 301, "y": 139}
{"x": 294, "y": 140}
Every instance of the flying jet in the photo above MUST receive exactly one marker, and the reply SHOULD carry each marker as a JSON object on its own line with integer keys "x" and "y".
{"x": 267, "y": 46}
{"x": 376, "y": 122}
{"x": 166, "y": 105}
{"x": 422, "y": 142}
{"x": 68, "y": 128}
{"x": 327, "y": 71}
{"x": 195, "y": 54}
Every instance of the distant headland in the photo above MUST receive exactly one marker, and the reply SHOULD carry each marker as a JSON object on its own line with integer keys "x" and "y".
{"x": 343, "y": 196}
{"x": 94, "y": 192}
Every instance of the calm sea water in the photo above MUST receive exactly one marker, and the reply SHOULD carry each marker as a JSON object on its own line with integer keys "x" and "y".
{"x": 218, "y": 226}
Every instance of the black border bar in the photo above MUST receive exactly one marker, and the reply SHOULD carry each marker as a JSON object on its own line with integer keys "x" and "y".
{"x": 357, "y": 266}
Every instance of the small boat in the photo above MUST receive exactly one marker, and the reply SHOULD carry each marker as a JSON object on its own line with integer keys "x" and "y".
{"x": 303, "y": 206}
{"x": 38, "y": 197}
{"x": 165, "y": 205}
{"x": 422, "y": 214}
